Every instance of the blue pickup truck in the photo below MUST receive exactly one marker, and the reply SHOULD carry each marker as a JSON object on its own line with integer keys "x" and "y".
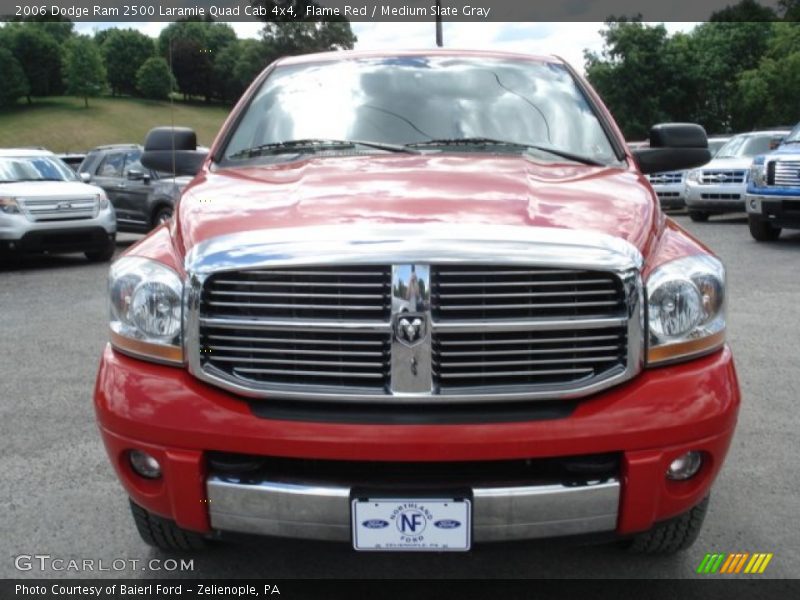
{"x": 773, "y": 190}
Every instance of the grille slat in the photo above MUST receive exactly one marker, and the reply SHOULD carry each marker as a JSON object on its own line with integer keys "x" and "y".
{"x": 215, "y": 349}
{"x": 297, "y": 295}
{"x": 522, "y": 373}
{"x": 531, "y": 283}
{"x": 564, "y": 305}
{"x": 538, "y": 351}
{"x": 292, "y": 373}
{"x": 286, "y": 361}
{"x": 275, "y": 340}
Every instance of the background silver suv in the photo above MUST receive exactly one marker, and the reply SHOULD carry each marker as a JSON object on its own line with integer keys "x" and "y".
{"x": 44, "y": 207}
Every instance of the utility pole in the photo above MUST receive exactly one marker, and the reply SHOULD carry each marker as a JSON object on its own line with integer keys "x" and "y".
{"x": 439, "y": 41}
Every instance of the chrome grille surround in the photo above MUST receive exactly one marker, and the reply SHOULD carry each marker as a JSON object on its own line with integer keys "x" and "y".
{"x": 403, "y": 245}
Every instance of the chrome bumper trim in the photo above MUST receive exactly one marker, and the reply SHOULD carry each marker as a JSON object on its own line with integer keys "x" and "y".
{"x": 322, "y": 512}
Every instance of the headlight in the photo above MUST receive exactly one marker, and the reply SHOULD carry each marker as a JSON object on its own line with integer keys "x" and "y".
{"x": 693, "y": 176}
{"x": 102, "y": 200}
{"x": 758, "y": 174}
{"x": 9, "y": 206}
{"x": 146, "y": 309}
{"x": 686, "y": 309}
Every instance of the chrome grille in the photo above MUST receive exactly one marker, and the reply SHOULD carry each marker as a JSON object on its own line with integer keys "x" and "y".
{"x": 60, "y": 209}
{"x": 528, "y": 357}
{"x": 722, "y": 176}
{"x": 285, "y": 357}
{"x": 786, "y": 173}
{"x": 353, "y": 293}
{"x": 666, "y": 178}
{"x": 481, "y": 292}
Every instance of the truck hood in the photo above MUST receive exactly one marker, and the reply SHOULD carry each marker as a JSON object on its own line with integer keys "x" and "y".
{"x": 49, "y": 189}
{"x": 729, "y": 163}
{"x": 453, "y": 189}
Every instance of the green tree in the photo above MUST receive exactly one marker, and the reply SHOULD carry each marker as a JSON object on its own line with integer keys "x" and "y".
{"x": 253, "y": 59}
{"x": 746, "y": 10}
{"x": 84, "y": 69}
{"x": 15, "y": 84}
{"x": 633, "y": 74}
{"x": 722, "y": 51}
{"x": 790, "y": 9}
{"x": 124, "y": 52}
{"x": 154, "y": 79}
{"x": 768, "y": 94}
{"x": 39, "y": 55}
{"x": 191, "y": 47}
{"x": 303, "y": 37}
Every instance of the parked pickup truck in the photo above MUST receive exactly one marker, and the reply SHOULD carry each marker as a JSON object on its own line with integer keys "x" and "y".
{"x": 416, "y": 301}
{"x": 773, "y": 190}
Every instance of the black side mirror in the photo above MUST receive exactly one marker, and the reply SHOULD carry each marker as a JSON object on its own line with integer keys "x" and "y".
{"x": 673, "y": 147}
{"x": 135, "y": 175}
{"x": 172, "y": 150}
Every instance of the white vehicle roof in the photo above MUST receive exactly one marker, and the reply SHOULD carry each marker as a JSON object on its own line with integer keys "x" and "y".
{"x": 24, "y": 152}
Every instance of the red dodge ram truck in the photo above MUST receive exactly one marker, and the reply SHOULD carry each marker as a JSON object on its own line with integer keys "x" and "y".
{"x": 419, "y": 301}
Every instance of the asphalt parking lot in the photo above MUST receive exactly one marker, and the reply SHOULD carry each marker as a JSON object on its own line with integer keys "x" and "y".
{"x": 61, "y": 497}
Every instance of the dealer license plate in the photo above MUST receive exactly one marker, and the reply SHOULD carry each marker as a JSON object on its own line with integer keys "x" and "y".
{"x": 433, "y": 525}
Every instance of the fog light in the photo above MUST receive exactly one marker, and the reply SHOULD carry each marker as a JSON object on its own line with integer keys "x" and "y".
{"x": 144, "y": 464}
{"x": 753, "y": 204}
{"x": 685, "y": 466}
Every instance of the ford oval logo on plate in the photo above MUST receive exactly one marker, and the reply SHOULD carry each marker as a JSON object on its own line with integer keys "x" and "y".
{"x": 447, "y": 524}
{"x": 375, "y": 524}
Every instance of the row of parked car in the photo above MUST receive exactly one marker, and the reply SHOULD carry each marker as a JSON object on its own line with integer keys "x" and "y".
{"x": 77, "y": 203}
{"x": 756, "y": 172}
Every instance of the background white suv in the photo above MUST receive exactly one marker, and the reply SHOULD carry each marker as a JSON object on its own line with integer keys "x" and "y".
{"x": 45, "y": 207}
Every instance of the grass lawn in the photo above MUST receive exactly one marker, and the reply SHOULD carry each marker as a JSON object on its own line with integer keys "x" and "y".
{"x": 62, "y": 124}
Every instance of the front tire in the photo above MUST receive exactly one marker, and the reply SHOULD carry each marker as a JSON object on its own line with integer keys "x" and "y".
{"x": 762, "y": 230}
{"x": 163, "y": 533}
{"x": 162, "y": 215}
{"x": 698, "y": 216}
{"x": 105, "y": 254}
{"x": 674, "y": 535}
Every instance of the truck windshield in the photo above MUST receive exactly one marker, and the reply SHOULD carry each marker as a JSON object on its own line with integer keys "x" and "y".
{"x": 34, "y": 168}
{"x": 794, "y": 136}
{"x": 431, "y": 103}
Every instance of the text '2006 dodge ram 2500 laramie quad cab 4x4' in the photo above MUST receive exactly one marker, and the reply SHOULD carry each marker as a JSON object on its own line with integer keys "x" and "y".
{"x": 415, "y": 301}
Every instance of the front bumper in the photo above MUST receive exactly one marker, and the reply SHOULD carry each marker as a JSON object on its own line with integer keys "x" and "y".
{"x": 781, "y": 211}
{"x": 648, "y": 421}
{"x": 17, "y": 232}
{"x": 716, "y": 199}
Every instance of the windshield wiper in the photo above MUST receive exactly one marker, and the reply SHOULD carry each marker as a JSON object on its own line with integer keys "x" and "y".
{"x": 484, "y": 141}
{"x": 313, "y": 145}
